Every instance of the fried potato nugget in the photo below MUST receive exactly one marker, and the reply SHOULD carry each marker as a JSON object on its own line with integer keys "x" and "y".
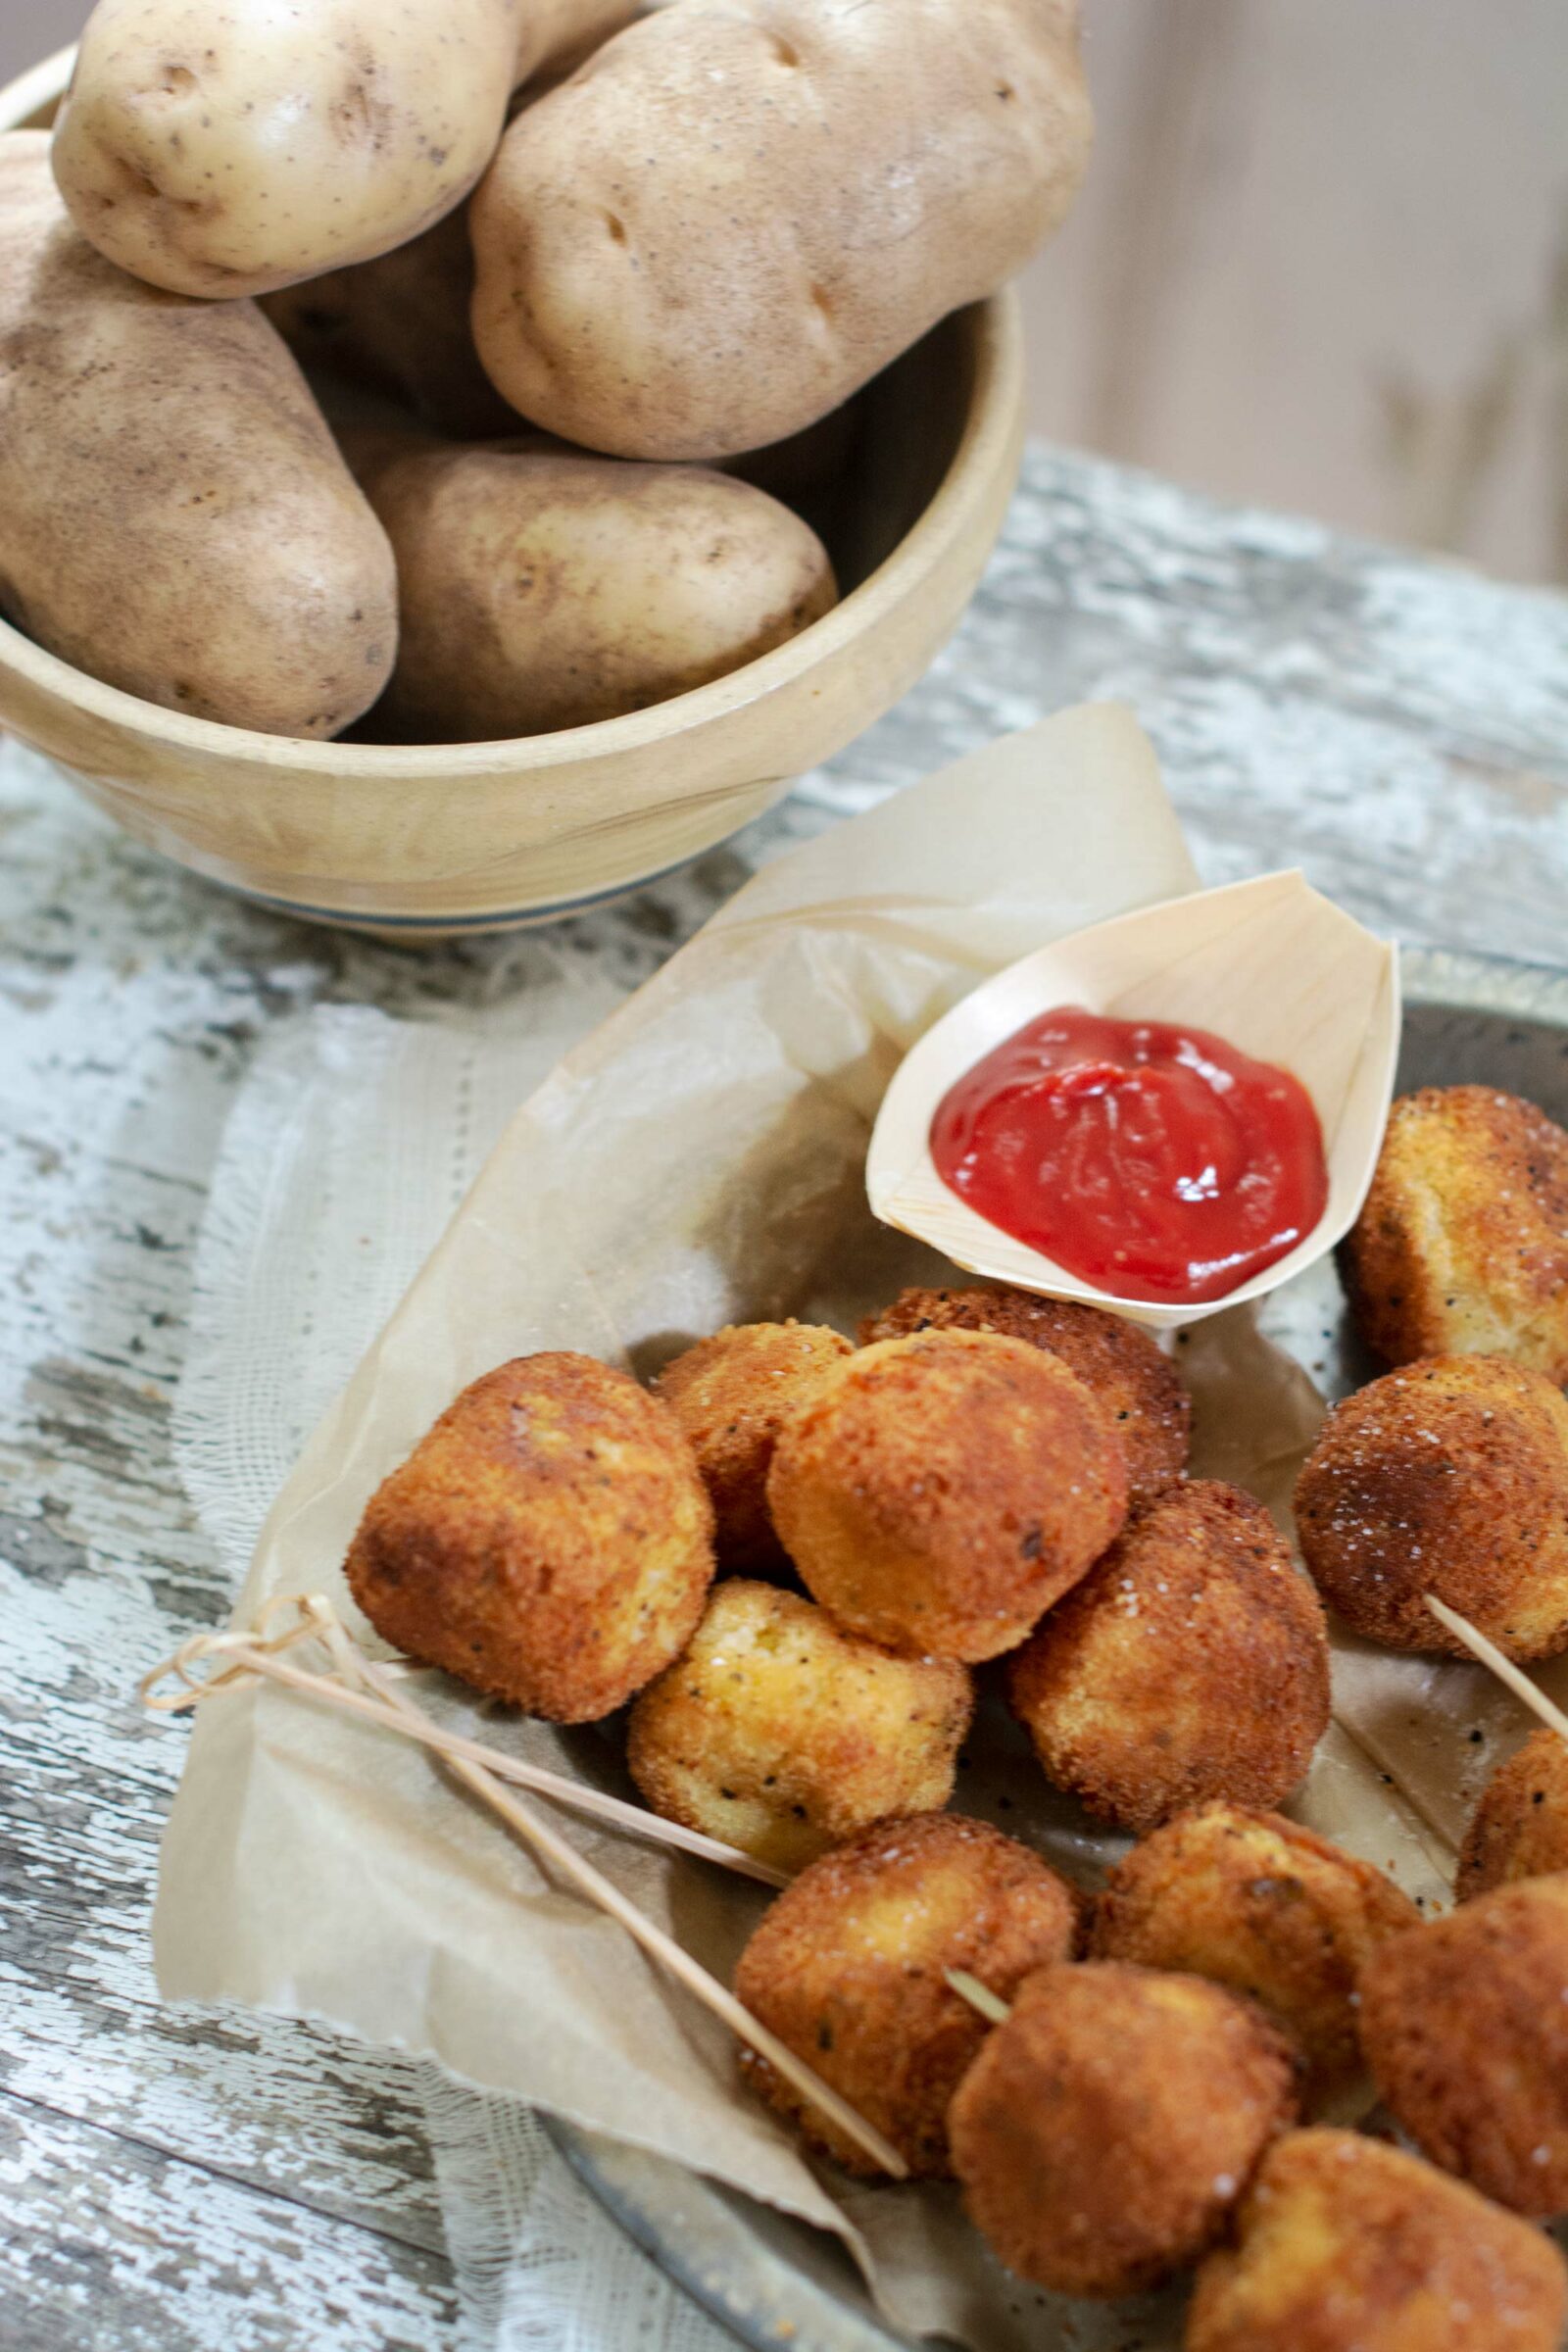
{"x": 1464, "y": 2021}
{"x": 732, "y": 1394}
{"x": 848, "y": 1968}
{"x": 1117, "y": 1362}
{"x": 1348, "y": 2245}
{"x": 1463, "y": 1245}
{"x": 1520, "y": 1826}
{"x": 1449, "y": 1476}
{"x": 1190, "y": 1663}
{"x": 1105, "y": 2131}
{"x": 782, "y": 1736}
{"x": 548, "y": 1541}
{"x": 937, "y": 1493}
{"x": 1255, "y": 1902}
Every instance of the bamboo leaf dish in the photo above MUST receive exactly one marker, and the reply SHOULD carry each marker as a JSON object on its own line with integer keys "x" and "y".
{"x": 1269, "y": 965}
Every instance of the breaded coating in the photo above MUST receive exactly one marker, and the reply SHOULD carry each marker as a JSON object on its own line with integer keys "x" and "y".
{"x": 1115, "y": 1360}
{"x": 937, "y": 1493}
{"x": 1253, "y": 1901}
{"x": 1449, "y": 1476}
{"x": 1463, "y": 1245}
{"x": 783, "y": 1735}
{"x": 1520, "y": 1826}
{"x": 1465, "y": 2023}
{"x": 1105, "y": 2132}
{"x": 1348, "y": 2245}
{"x": 732, "y": 1394}
{"x": 1190, "y": 1663}
{"x": 548, "y": 1541}
{"x": 848, "y": 1969}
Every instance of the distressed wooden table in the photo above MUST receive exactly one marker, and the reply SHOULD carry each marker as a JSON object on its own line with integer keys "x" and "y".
{"x": 181, "y": 2180}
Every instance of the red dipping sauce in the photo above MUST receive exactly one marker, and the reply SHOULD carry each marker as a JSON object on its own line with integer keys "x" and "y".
{"x": 1157, "y": 1162}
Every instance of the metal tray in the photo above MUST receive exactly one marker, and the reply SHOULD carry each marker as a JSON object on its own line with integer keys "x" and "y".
{"x": 775, "y": 2282}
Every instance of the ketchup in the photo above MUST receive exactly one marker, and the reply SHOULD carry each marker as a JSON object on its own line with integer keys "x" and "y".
{"x": 1157, "y": 1162}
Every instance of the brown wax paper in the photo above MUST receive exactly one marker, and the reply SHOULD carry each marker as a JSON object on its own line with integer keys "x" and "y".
{"x": 699, "y": 1160}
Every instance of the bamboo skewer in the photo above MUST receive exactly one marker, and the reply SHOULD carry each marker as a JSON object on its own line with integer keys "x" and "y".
{"x": 318, "y": 1619}
{"x": 1489, "y": 1655}
{"x": 412, "y": 1724}
{"x": 991, "y": 2005}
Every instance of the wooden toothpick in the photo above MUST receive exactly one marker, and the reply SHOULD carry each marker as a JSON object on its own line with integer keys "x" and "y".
{"x": 1502, "y": 1666}
{"x": 246, "y": 1658}
{"x": 991, "y": 2005}
{"x": 363, "y": 1680}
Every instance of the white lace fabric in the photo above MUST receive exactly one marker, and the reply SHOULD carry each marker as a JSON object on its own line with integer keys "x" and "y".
{"x": 350, "y": 1147}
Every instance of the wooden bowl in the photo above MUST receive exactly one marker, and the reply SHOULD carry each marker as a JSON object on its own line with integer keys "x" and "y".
{"x": 428, "y": 840}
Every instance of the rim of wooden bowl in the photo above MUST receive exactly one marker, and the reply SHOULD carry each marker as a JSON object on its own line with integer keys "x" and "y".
{"x": 996, "y": 331}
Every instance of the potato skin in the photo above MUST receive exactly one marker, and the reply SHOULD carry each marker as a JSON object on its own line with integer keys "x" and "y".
{"x": 174, "y": 516}
{"x": 541, "y": 588}
{"x": 732, "y": 1394}
{"x": 740, "y": 211}
{"x": 1348, "y": 2245}
{"x": 937, "y": 1493}
{"x": 400, "y": 324}
{"x": 1253, "y": 1901}
{"x": 848, "y": 1968}
{"x": 547, "y": 1540}
{"x": 227, "y": 152}
{"x": 1190, "y": 1663}
{"x": 1464, "y": 2021}
{"x": 781, "y": 1735}
{"x": 1449, "y": 1476}
{"x": 1520, "y": 1826}
{"x": 1461, "y": 1247}
{"x": 1118, "y": 1363}
{"x": 1106, "y": 2128}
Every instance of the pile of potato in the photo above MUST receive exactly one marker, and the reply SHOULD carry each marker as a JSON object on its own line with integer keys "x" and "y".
{"x": 698, "y": 237}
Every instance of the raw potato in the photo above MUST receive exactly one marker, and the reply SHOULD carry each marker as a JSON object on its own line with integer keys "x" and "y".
{"x": 738, "y": 210}
{"x": 400, "y": 324}
{"x": 174, "y": 516}
{"x": 542, "y": 588}
{"x": 229, "y": 151}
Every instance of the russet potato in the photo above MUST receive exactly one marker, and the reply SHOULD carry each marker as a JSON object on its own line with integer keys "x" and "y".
{"x": 229, "y": 151}
{"x": 542, "y": 588}
{"x": 175, "y": 518}
{"x": 399, "y": 326}
{"x": 738, "y": 210}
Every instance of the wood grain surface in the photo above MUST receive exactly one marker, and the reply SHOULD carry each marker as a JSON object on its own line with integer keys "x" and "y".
{"x": 174, "y": 2181}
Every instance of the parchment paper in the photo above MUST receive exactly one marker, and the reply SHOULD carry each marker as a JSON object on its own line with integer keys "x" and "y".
{"x": 699, "y": 1160}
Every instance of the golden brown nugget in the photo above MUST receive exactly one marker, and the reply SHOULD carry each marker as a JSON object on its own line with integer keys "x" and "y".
{"x": 782, "y": 1736}
{"x": 1463, "y": 1245}
{"x": 1255, "y": 1902}
{"x": 1190, "y": 1663}
{"x": 550, "y": 1539}
{"x": 1464, "y": 2021}
{"x": 1520, "y": 1827}
{"x": 1449, "y": 1476}
{"x": 732, "y": 1394}
{"x": 1348, "y": 2245}
{"x": 937, "y": 1493}
{"x": 848, "y": 1968}
{"x": 1104, "y": 2133}
{"x": 1115, "y": 1360}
